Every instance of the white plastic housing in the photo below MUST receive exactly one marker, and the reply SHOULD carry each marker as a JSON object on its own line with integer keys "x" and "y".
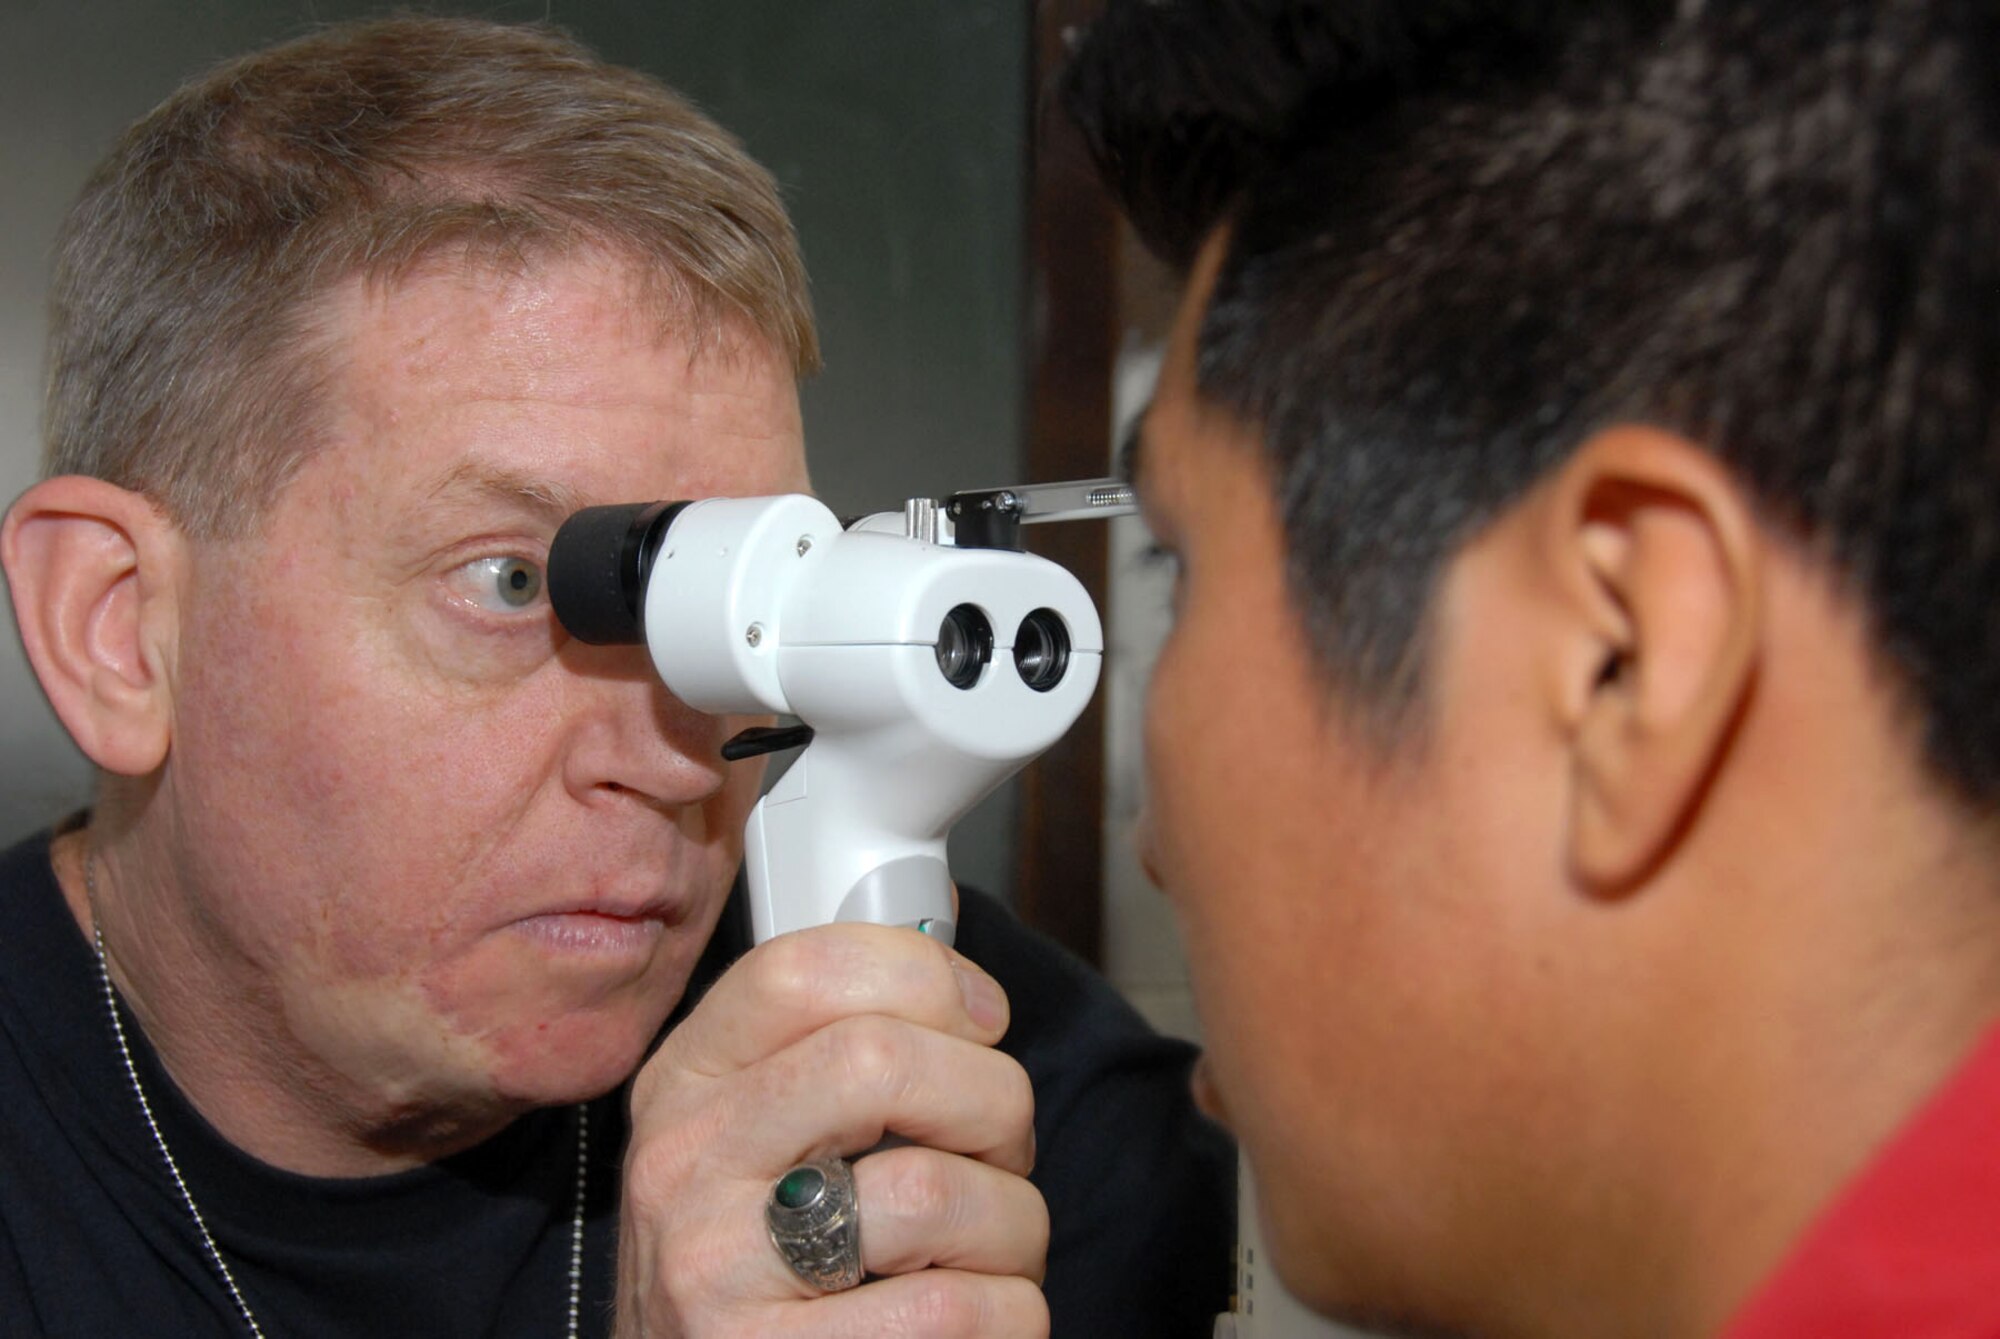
{"x": 717, "y": 595}
{"x": 847, "y": 640}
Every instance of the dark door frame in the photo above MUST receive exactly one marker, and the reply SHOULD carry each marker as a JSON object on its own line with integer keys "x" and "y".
{"x": 1070, "y": 320}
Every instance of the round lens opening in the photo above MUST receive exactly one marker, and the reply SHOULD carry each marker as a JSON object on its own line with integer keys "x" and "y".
{"x": 964, "y": 646}
{"x": 1041, "y": 650}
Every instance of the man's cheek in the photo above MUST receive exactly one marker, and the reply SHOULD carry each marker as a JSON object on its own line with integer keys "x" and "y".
{"x": 454, "y": 653}
{"x": 1161, "y": 727}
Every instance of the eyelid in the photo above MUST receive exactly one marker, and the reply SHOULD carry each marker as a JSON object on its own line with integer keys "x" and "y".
{"x": 507, "y": 542}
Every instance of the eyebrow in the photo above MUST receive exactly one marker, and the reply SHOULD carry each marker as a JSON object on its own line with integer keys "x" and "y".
{"x": 475, "y": 479}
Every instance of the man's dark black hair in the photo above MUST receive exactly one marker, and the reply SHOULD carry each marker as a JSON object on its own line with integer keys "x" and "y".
{"x": 1466, "y": 233}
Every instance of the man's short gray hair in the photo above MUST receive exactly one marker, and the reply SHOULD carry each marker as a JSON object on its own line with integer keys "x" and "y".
{"x": 183, "y": 359}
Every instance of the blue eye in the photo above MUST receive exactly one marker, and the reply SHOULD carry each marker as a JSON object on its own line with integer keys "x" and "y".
{"x": 504, "y": 583}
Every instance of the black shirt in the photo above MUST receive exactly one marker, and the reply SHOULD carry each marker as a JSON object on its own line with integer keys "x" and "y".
{"x": 95, "y": 1239}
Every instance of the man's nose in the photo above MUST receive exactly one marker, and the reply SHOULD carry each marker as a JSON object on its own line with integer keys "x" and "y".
{"x": 628, "y": 734}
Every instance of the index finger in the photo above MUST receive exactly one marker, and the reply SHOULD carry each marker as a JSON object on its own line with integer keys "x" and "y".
{"x": 784, "y": 990}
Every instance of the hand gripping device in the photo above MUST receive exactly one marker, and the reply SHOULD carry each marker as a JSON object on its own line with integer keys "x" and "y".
{"x": 925, "y": 658}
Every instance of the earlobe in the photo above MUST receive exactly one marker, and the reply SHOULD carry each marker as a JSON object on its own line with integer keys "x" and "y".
{"x": 1666, "y": 560}
{"x": 92, "y": 569}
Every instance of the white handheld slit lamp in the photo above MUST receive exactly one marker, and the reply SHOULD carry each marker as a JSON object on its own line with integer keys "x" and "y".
{"x": 926, "y": 658}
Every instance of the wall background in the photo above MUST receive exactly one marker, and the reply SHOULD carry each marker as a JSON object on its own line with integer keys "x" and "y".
{"x": 896, "y": 130}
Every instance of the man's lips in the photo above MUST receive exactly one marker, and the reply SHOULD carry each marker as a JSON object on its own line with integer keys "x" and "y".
{"x": 653, "y": 908}
{"x": 608, "y": 920}
{"x": 634, "y": 892}
{"x": 595, "y": 930}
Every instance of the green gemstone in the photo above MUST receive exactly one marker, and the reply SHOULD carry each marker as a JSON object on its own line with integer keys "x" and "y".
{"x": 800, "y": 1187}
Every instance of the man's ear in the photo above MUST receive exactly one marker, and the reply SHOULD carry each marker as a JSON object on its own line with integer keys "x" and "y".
{"x": 1661, "y": 555}
{"x": 94, "y": 573}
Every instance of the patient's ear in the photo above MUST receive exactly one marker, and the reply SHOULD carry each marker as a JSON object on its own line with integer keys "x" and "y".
{"x": 1661, "y": 558}
{"x": 94, "y": 573}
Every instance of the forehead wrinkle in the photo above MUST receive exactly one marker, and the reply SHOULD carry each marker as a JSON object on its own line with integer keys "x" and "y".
{"x": 528, "y": 328}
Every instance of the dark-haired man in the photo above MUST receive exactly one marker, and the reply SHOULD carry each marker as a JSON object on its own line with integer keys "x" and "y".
{"x": 321, "y": 1021}
{"x": 1580, "y": 444}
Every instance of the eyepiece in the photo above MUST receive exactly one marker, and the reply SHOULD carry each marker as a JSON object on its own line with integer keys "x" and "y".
{"x": 964, "y": 646}
{"x": 1041, "y": 650}
{"x": 598, "y": 564}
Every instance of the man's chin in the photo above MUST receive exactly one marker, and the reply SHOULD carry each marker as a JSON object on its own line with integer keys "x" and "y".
{"x": 576, "y": 1056}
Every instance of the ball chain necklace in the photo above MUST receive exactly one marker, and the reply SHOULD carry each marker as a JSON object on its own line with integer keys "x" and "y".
{"x": 187, "y": 1197}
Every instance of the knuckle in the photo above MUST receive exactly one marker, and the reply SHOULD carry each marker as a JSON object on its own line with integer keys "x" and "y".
{"x": 1028, "y": 1317}
{"x": 919, "y": 1190}
{"x": 949, "y": 1305}
{"x": 791, "y": 970}
{"x": 1040, "y": 1269}
{"x": 654, "y": 1170}
{"x": 873, "y": 1053}
{"x": 663, "y": 1161}
{"x": 664, "y": 1081}
{"x": 942, "y": 1306}
{"x": 1017, "y": 1093}
{"x": 1013, "y": 1114}
{"x": 1038, "y": 1205}
{"x": 849, "y": 967}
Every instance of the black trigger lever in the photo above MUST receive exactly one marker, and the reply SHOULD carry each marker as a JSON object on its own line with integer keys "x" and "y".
{"x": 761, "y": 739}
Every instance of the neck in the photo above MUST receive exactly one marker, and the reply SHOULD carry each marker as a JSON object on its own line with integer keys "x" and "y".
{"x": 1816, "y": 1008}
{"x": 218, "y": 1032}
{"x": 1842, "y": 1056}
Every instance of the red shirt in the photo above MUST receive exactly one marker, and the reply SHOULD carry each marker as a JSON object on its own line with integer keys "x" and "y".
{"x": 1910, "y": 1250}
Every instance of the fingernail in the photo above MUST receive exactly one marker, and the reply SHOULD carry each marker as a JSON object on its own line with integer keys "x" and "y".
{"x": 984, "y": 999}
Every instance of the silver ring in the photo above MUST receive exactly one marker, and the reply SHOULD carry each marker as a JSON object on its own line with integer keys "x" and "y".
{"x": 815, "y": 1223}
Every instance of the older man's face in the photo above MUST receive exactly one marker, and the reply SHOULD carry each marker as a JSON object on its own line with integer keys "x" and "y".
{"x": 466, "y": 857}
